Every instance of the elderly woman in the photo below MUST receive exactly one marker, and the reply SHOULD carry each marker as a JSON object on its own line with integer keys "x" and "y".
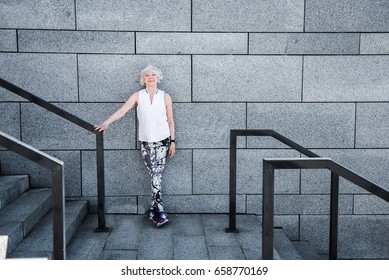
{"x": 156, "y": 133}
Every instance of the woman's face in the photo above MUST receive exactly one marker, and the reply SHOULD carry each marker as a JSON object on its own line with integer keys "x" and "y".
{"x": 150, "y": 78}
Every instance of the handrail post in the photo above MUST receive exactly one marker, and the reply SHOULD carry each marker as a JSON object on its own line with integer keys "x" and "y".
{"x": 232, "y": 212}
{"x": 100, "y": 183}
{"x": 267, "y": 211}
{"x": 333, "y": 250}
{"x": 58, "y": 208}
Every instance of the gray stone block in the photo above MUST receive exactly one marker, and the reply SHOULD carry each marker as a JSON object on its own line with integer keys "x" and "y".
{"x": 346, "y": 79}
{"x": 113, "y": 78}
{"x": 194, "y": 248}
{"x": 370, "y": 205}
{"x": 183, "y": 226}
{"x": 226, "y": 253}
{"x": 346, "y": 16}
{"x": 10, "y": 119}
{"x": 126, "y": 174}
{"x": 52, "y": 77}
{"x": 87, "y": 245}
{"x": 310, "y": 204}
{"x": 207, "y": 125}
{"x": 134, "y": 15}
{"x": 375, "y": 43}
{"x": 127, "y": 233}
{"x": 372, "y": 128}
{"x": 76, "y": 41}
{"x": 370, "y": 164}
{"x": 249, "y": 172}
{"x": 310, "y": 125}
{"x": 247, "y": 78}
{"x": 12, "y": 163}
{"x": 8, "y": 40}
{"x": 211, "y": 172}
{"x": 196, "y": 203}
{"x": 299, "y": 205}
{"x": 118, "y": 255}
{"x": 160, "y": 248}
{"x": 360, "y": 236}
{"x": 37, "y": 14}
{"x": 114, "y": 204}
{"x": 45, "y": 130}
{"x": 191, "y": 43}
{"x": 257, "y": 16}
{"x": 304, "y": 43}
{"x": 290, "y": 224}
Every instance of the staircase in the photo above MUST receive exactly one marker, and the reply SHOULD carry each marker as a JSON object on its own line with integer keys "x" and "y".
{"x": 26, "y": 219}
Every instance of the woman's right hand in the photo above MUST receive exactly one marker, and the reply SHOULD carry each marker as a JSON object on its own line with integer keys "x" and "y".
{"x": 101, "y": 128}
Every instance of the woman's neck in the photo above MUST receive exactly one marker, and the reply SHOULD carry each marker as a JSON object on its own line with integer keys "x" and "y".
{"x": 151, "y": 89}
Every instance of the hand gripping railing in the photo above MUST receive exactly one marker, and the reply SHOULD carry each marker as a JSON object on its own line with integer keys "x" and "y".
{"x": 312, "y": 163}
{"x": 233, "y": 143}
{"x": 58, "y": 198}
{"x": 99, "y": 143}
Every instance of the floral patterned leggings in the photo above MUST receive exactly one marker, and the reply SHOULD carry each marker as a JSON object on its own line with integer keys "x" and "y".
{"x": 154, "y": 156}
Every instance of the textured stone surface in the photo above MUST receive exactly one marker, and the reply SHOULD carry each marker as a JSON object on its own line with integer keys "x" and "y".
{"x": 247, "y": 78}
{"x": 196, "y": 203}
{"x": 197, "y": 246}
{"x": 360, "y": 237}
{"x": 211, "y": 172}
{"x": 304, "y": 43}
{"x": 12, "y": 163}
{"x": 255, "y": 16}
{"x": 51, "y": 77}
{"x": 372, "y": 125}
{"x": 346, "y": 16}
{"x": 370, "y": 204}
{"x": 8, "y": 40}
{"x": 115, "y": 77}
{"x": 37, "y": 14}
{"x": 10, "y": 119}
{"x": 370, "y": 164}
{"x": 125, "y": 174}
{"x": 352, "y": 78}
{"x": 310, "y": 125}
{"x": 43, "y": 129}
{"x": 173, "y": 15}
{"x": 293, "y": 205}
{"x": 207, "y": 125}
{"x": 373, "y": 43}
{"x": 191, "y": 43}
{"x": 76, "y": 41}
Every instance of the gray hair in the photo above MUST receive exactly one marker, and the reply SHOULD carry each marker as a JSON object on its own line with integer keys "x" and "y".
{"x": 151, "y": 69}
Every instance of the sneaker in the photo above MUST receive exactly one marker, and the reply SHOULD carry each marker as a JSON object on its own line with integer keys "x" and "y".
{"x": 161, "y": 219}
{"x": 151, "y": 213}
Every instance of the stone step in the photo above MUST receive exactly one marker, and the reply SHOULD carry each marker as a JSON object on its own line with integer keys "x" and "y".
{"x": 11, "y": 187}
{"x": 20, "y": 217}
{"x": 39, "y": 243}
{"x": 306, "y": 250}
{"x": 284, "y": 246}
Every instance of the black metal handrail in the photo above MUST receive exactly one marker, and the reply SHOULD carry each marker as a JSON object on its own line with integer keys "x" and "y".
{"x": 76, "y": 120}
{"x": 58, "y": 198}
{"x": 233, "y": 146}
{"x": 269, "y": 165}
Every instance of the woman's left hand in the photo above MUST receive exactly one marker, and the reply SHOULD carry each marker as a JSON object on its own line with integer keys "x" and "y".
{"x": 172, "y": 150}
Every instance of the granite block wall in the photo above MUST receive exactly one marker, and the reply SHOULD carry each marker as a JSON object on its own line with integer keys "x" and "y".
{"x": 315, "y": 71}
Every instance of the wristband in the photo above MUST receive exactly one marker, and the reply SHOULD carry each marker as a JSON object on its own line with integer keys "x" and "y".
{"x": 173, "y": 141}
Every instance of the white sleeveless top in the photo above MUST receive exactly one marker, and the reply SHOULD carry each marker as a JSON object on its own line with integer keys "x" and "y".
{"x": 152, "y": 118}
